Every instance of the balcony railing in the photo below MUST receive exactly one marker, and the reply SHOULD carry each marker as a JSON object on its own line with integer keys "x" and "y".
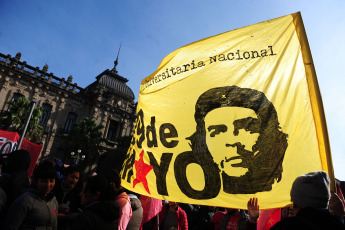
{"x": 39, "y": 73}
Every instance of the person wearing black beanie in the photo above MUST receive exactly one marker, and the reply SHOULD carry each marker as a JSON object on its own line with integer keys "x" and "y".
{"x": 310, "y": 196}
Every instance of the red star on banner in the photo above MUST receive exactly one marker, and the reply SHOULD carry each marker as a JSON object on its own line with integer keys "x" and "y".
{"x": 142, "y": 169}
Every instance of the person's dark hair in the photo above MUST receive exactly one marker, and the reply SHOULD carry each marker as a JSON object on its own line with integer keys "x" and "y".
{"x": 70, "y": 169}
{"x": 45, "y": 170}
{"x": 114, "y": 177}
{"x": 112, "y": 159}
{"x": 266, "y": 165}
{"x": 101, "y": 184}
{"x": 18, "y": 160}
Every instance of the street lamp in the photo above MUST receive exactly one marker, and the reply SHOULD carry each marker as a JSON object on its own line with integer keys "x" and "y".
{"x": 77, "y": 156}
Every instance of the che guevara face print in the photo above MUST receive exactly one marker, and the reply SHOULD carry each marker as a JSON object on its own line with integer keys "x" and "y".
{"x": 238, "y": 129}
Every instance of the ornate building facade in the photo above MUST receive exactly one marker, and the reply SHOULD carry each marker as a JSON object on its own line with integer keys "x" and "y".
{"x": 108, "y": 100}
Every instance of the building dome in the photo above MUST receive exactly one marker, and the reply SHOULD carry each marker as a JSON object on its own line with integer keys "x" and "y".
{"x": 113, "y": 81}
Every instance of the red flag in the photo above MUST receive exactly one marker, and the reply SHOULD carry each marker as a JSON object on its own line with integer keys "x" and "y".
{"x": 340, "y": 194}
{"x": 8, "y": 143}
{"x": 151, "y": 207}
{"x": 268, "y": 218}
{"x": 34, "y": 150}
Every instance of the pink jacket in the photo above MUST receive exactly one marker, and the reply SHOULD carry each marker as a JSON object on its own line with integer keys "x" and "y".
{"x": 125, "y": 210}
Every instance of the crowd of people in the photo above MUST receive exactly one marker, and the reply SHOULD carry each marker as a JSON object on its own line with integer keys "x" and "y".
{"x": 47, "y": 201}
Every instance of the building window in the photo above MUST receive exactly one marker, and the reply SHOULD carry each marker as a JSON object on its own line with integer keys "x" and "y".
{"x": 16, "y": 96}
{"x": 45, "y": 114}
{"x": 113, "y": 131}
{"x": 71, "y": 119}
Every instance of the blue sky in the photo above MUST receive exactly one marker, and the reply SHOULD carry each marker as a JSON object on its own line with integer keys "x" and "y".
{"x": 81, "y": 38}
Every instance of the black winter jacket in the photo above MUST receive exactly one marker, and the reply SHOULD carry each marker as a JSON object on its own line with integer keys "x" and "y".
{"x": 101, "y": 215}
{"x": 310, "y": 218}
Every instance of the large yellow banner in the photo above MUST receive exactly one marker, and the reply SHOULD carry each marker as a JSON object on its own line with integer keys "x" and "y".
{"x": 230, "y": 117}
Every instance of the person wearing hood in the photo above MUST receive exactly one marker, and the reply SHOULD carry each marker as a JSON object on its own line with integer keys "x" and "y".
{"x": 38, "y": 207}
{"x": 100, "y": 210}
{"x": 137, "y": 213}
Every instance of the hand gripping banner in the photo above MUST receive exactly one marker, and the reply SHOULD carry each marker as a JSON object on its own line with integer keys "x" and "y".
{"x": 230, "y": 117}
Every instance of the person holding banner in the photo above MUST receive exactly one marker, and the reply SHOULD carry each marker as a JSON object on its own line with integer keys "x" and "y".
{"x": 238, "y": 219}
{"x": 336, "y": 205}
{"x": 172, "y": 217}
{"x": 310, "y": 195}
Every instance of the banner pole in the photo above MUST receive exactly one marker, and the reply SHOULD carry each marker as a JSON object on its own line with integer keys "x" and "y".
{"x": 316, "y": 101}
{"x": 158, "y": 221}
